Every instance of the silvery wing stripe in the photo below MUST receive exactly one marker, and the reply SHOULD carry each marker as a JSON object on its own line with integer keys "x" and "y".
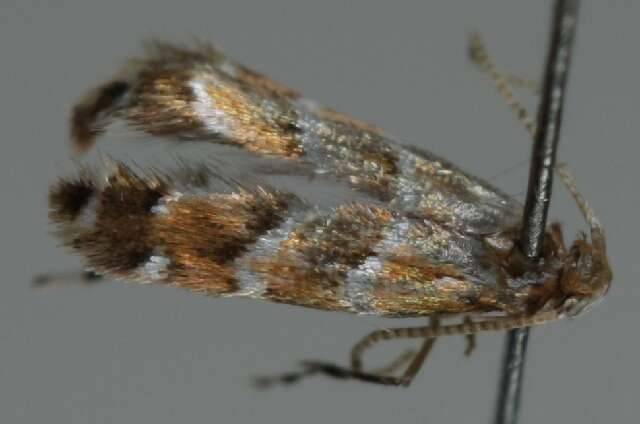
{"x": 154, "y": 270}
{"x": 421, "y": 184}
{"x": 250, "y": 284}
{"x": 358, "y": 285}
{"x": 214, "y": 118}
{"x": 360, "y": 281}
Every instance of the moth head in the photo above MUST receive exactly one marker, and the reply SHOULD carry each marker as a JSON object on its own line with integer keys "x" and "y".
{"x": 586, "y": 275}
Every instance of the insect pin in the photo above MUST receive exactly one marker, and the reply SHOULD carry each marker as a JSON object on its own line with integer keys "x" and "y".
{"x": 420, "y": 237}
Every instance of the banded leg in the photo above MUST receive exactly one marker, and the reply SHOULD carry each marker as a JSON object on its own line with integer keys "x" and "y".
{"x": 430, "y": 333}
{"x": 372, "y": 377}
{"x": 468, "y": 327}
{"x": 403, "y": 359}
{"x": 401, "y": 333}
{"x": 326, "y": 368}
{"x": 405, "y": 380}
{"x": 377, "y": 377}
{"x": 332, "y": 370}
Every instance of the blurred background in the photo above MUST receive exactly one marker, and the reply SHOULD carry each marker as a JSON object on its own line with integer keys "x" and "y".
{"x": 146, "y": 354}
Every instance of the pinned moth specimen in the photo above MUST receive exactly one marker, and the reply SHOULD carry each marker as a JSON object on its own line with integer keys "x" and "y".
{"x": 420, "y": 237}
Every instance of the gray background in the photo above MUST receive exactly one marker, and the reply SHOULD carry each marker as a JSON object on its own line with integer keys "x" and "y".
{"x": 141, "y": 354}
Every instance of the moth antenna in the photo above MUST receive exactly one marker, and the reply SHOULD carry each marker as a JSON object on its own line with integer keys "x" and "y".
{"x": 523, "y": 82}
{"x": 480, "y": 56}
{"x": 597, "y": 232}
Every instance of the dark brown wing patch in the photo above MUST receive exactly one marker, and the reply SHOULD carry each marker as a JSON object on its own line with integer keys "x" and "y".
{"x": 69, "y": 197}
{"x": 141, "y": 229}
{"x": 203, "y": 236}
{"x": 310, "y": 267}
{"x": 85, "y": 122}
{"x": 117, "y": 235}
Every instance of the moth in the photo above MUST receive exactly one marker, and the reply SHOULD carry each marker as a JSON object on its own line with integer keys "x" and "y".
{"x": 420, "y": 237}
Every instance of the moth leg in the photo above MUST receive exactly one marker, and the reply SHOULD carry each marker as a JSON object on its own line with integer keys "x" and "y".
{"x": 396, "y": 364}
{"x": 471, "y": 338}
{"x": 387, "y": 334}
{"x": 372, "y": 377}
{"x": 328, "y": 369}
{"x": 430, "y": 333}
{"x": 343, "y": 373}
{"x": 418, "y": 360}
{"x": 587, "y": 212}
{"x": 66, "y": 278}
{"x": 467, "y": 327}
{"x": 479, "y": 55}
{"x": 318, "y": 367}
{"x": 285, "y": 379}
